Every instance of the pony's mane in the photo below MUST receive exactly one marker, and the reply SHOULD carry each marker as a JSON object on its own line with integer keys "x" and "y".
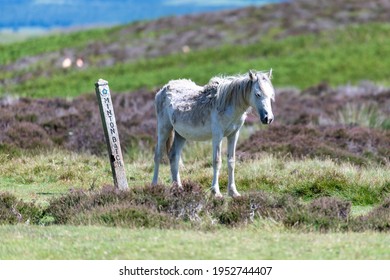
{"x": 232, "y": 90}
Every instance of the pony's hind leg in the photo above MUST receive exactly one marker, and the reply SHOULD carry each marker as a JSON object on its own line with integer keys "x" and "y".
{"x": 163, "y": 132}
{"x": 174, "y": 157}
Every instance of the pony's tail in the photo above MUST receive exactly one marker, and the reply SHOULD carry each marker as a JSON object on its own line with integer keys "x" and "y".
{"x": 169, "y": 142}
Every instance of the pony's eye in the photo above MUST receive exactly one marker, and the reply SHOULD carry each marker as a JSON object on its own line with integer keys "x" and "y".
{"x": 258, "y": 94}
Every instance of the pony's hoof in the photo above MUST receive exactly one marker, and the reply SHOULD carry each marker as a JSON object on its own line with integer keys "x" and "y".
{"x": 218, "y": 195}
{"x": 234, "y": 194}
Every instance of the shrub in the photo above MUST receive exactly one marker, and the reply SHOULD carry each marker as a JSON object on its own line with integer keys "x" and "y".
{"x": 190, "y": 207}
{"x": 126, "y": 215}
{"x": 254, "y": 205}
{"x": 323, "y": 214}
{"x": 331, "y": 207}
{"x": 236, "y": 212}
{"x": 13, "y": 211}
{"x": 63, "y": 208}
{"x": 186, "y": 202}
{"x": 358, "y": 145}
{"x": 377, "y": 219}
{"x": 27, "y": 136}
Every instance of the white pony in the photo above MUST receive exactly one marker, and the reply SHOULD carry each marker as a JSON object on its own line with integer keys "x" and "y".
{"x": 186, "y": 111}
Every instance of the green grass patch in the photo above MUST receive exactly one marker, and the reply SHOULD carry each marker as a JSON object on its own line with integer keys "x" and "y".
{"x": 278, "y": 217}
{"x": 38, "y": 176}
{"x": 263, "y": 241}
{"x": 338, "y": 57}
{"x": 190, "y": 207}
{"x": 36, "y": 46}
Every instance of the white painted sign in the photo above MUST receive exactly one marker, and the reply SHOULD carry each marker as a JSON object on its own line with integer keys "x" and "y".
{"x": 111, "y": 134}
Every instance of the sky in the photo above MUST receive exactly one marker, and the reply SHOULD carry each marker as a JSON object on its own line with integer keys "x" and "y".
{"x": 16, "y": 14}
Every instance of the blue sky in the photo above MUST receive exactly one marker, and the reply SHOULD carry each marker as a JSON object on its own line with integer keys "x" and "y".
{"x": 16, "y": 14}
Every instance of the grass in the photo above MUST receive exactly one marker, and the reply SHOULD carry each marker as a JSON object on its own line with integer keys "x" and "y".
{"x": 262, "y": 241}
{"x": 39, "y": 176}
{"x": 36, "y": 46}
{"x": 332, "y": 56}
{"x": 45, "y": 179}
{"x": 366, "y": 115}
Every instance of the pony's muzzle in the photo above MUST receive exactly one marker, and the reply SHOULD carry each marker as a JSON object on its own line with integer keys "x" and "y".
{"x": 266, "y": 117}
{"x": 267, "y": 120}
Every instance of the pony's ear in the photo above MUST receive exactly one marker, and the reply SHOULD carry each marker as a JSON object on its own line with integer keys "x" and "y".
{"x": 252, "y": 75}
{"x": 270, "y": 74}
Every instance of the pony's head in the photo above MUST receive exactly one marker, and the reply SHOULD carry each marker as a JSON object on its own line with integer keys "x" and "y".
{"x": 262, "y": 94}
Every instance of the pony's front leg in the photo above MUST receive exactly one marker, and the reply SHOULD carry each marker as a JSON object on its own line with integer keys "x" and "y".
{"x": 231, "y": 157}
{"x": 217, "y": 162}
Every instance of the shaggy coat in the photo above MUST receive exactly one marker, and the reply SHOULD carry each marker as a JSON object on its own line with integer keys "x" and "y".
{"x": 186, "y": 111}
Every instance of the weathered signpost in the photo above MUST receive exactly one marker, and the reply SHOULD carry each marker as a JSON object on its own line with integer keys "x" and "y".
{"x": 111, "y": 134}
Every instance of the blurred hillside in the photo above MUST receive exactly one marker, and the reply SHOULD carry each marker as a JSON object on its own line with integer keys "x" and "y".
{"x": 320, "y": 50}
{"x": 320, "y": 32}
{"x": 239, "y": 27}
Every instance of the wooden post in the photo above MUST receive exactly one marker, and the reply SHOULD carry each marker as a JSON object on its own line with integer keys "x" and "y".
{"x": 111, "y": 134}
